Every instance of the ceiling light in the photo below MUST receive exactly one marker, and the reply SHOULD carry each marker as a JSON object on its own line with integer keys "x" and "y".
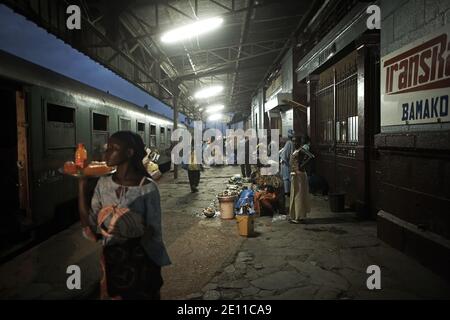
{"x": 215, "y": 108}
{"x": 208, "y": 92}
{"x": 215, "y": 117}
{"x": 191, "y": 30}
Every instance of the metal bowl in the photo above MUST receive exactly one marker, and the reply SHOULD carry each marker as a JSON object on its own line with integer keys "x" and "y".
{"x": 209, "y": 213}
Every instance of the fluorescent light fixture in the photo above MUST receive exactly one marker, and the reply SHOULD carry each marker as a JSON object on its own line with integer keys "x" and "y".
{"x": 215, "y": 117}
{"x": 215, "y": 108}
{"x": 191, "y": 30}
{"x": 208, "y": 92}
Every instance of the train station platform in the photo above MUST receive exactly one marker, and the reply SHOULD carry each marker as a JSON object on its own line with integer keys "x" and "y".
{"x": 326, "y": 258}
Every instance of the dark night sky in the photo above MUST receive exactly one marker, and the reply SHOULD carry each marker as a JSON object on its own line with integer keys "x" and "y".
{"x": 23, "y": 38}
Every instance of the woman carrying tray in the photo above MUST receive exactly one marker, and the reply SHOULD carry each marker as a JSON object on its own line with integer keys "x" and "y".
{"x": 125, "y": 215}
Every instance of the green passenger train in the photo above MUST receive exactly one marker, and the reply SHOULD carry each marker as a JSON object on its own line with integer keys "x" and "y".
{"x": 45, "y": 115}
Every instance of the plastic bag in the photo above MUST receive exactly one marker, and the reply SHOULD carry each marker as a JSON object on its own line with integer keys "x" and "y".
{"x": 279, "y": 217}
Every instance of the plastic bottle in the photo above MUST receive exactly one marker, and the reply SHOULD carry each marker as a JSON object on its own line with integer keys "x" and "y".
{"x": 81, "y": 156}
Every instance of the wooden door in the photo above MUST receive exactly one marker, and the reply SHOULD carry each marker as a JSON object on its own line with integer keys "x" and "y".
{"x": 22, "y": 156}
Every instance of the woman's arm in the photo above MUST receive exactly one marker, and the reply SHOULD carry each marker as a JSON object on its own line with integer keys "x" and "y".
{"x": 85, "y": 209}
{"x": 153, "y": 213}
{"x": 83, "y": 202}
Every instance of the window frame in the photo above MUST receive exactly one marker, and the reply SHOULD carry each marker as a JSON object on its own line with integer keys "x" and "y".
{"x": 46, "y": 148}
{"x": 143, "y": 136}
{"x": 120, "y": 117}
{"x": 162, "y": 137}
{"x": 94, "y": 131}
{"x": 151, "y": 124}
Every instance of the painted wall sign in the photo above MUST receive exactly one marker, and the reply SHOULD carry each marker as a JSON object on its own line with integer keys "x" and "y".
{"x": 415, "y": 82}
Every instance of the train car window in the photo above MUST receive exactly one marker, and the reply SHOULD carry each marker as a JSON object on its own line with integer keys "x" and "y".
{"x": 124, "y": 124}
{"x": 100, "y": 135}
{"x": 169, "y": 135}
{"x": 100, "y": 122}
{"x": 59, "y": 131}
{"x": 141, "y": 130}
{"x": 152, "y": 135}
{"x": 60, "y": 114}
{"x": 162, "y": 136}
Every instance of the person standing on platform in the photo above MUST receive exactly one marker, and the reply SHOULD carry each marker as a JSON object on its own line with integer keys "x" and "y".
{"x": 285, "y": 156}
{"x": 246, "y": 169}
{"x": 299, "y": 204}
{"x": 194, "y": 169}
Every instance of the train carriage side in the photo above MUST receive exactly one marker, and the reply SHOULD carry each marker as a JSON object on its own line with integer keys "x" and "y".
{"x": 48, "y": 114}
{"x": 67, "y": 119}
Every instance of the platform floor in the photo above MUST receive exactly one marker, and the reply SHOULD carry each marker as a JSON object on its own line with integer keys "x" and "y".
{"x": 326, "y": 258}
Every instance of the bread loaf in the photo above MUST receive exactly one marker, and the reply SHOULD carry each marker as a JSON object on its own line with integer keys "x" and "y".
{"x": 97, "y": 169}
{"x": 70, "y": 167}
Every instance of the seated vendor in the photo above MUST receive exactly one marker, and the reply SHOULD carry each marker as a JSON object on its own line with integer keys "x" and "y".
{"x": 266, "y": 201}
{"x": 272, "y": 186}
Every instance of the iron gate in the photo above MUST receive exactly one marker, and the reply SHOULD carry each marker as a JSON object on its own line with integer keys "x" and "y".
{"x": 337, "y": 125}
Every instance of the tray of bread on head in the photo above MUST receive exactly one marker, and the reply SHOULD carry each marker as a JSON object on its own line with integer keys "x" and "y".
{"x": 95, "y": 169}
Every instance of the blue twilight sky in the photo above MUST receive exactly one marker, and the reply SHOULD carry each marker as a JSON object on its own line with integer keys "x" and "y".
{"x": 23, "y": 38}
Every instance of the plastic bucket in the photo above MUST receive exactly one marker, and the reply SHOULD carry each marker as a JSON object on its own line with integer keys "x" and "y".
{"x": 227, "y": 207}
{"x": 337, "y": 202}
{"x": 246, "y": 225}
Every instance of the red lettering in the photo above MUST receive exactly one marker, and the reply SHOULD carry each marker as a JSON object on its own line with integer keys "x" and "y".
{"x": 403, "y": 76}
{"x": 413, "y": 74}
{"x": 393, "y": 69}
{"x": 425, "y": 67}
{"x": 433, "y": 64}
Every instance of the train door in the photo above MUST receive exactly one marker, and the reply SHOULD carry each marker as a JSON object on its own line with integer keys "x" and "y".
{"x": 22, "y": 157}
{"x": 14, "y": 163}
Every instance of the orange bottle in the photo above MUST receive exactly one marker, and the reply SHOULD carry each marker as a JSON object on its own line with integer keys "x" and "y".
{"x": 81, "y": 156}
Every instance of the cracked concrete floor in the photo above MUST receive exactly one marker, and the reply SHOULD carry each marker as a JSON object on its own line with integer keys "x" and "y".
{"x": 326, "y": 258}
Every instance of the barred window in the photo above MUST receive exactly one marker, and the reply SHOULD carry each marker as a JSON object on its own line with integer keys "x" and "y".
{"x": 337, "y": 106}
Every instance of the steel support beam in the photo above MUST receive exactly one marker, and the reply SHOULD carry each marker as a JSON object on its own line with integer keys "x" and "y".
{"x": 243, "y": 38}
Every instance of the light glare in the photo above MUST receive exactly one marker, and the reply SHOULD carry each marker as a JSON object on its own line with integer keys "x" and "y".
{"x": 215, "y": 108}
{"x": 215, "y": 117}
{"x": 208, "y": 92}
{"x": 191, "y": 30}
